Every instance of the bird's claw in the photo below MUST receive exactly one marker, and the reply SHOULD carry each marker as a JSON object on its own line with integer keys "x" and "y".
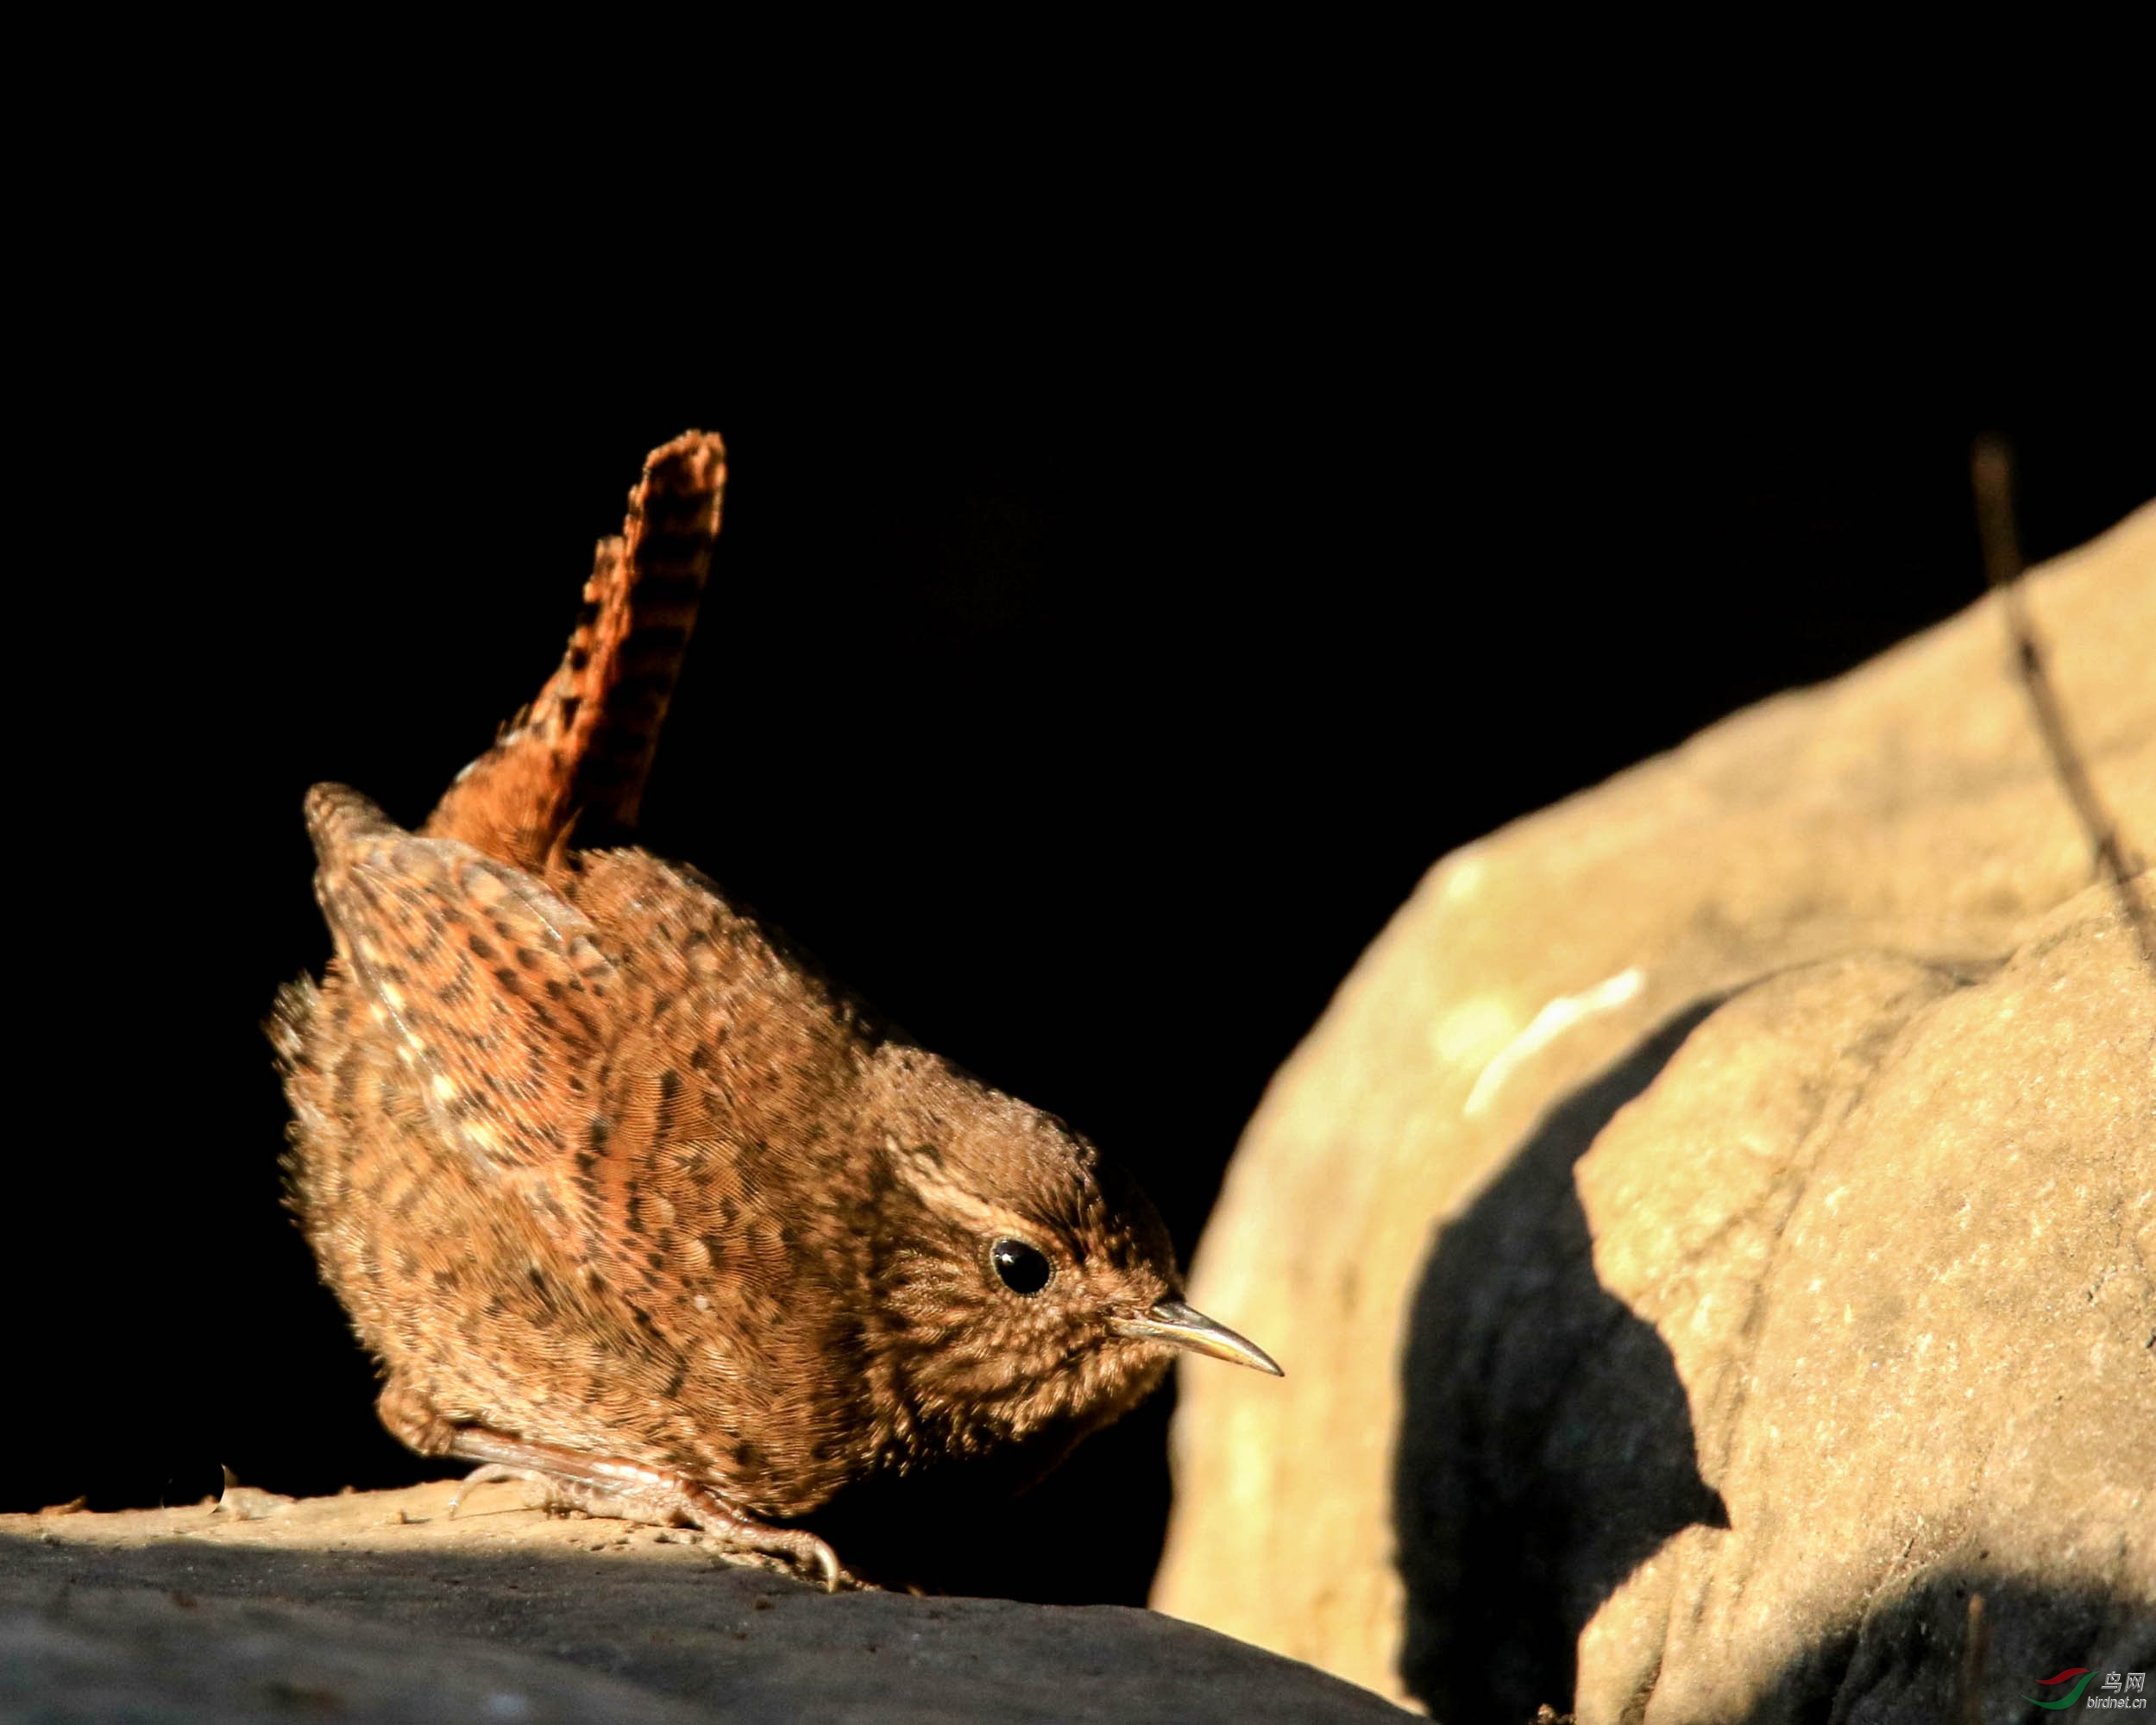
{"x": 629, "y": 1492}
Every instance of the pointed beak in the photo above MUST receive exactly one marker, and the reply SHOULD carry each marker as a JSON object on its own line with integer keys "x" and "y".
{"x": 1181, "y": 1326}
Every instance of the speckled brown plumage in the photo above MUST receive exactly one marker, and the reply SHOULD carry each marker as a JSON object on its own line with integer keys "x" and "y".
{"x": 621, "y": 1193}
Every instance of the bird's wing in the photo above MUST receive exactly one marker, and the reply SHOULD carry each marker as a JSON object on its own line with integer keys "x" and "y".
{"x": 492, "y": 989}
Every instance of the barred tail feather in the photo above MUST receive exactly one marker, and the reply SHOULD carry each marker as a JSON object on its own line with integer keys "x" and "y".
{"x": 582, "y": 750}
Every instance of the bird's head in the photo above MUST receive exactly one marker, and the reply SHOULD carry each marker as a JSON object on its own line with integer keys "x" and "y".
{"x": 1025, "y": 1285}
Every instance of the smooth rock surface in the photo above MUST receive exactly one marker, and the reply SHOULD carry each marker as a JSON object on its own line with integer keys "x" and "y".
{"x": 1423, "y": 1143}
{"x": 376, "y": 1606}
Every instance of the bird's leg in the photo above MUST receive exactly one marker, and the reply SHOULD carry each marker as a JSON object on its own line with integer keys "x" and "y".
{"x": 601, "y": 1486}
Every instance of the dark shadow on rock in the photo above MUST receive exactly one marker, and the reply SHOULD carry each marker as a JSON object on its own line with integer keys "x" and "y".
{"x": 1897, "y": 1659}
{"x": 1547, "y": 1445}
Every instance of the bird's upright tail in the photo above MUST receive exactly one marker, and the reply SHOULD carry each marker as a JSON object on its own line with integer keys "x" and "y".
{"x": 580, "y": 753}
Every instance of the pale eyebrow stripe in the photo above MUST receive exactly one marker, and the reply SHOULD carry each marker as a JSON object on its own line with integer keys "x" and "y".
{"x": 941, "y": 1193}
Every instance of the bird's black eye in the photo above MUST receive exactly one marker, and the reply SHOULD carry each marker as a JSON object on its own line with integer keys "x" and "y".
{"x": 1023, "y": 1269}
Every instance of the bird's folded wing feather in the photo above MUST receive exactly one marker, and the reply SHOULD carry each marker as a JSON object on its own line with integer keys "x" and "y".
{"x": 494, "y": 990}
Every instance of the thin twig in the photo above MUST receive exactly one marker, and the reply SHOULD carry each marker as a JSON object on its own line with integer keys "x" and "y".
{"x": 1976, "y": 1642}
{"x": 1991, "y": 469}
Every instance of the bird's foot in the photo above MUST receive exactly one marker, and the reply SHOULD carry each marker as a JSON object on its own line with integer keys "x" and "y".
{"x": 632, "y": 1492}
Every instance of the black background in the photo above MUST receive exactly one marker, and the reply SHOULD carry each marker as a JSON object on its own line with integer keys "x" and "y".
{"x": 1129, "y": 586}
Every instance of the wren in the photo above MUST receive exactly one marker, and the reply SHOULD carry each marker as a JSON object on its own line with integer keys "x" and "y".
{"x": 624, "y": 1194}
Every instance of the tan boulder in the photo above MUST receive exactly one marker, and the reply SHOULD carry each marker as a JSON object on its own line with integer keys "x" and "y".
{"x": 1491, "y": 1329}
{"x": 1897, "y": 1230}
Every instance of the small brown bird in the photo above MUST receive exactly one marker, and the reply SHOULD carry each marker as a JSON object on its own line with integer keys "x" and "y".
{"x": 624, "y": 1194}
